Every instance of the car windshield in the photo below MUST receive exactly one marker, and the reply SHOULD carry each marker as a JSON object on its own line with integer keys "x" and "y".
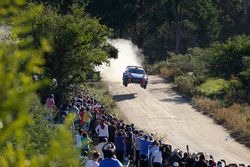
{"x": 136, "y": 70}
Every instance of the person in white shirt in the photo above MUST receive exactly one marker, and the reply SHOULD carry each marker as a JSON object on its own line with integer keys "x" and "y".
{"x": 78, "y": 138}
{"x": 94, "y": 162}
{"x": 99, "y": 147}
{"x": 83, "y": 157}
{"x": 102, "y": 130}
{"x": 157, "y": 158}
{"x": 154, "y": 148}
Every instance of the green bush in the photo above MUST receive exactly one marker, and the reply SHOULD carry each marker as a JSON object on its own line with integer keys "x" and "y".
{"x": 213, "y": 87}
{"x": 186, "y": 83}
{"x": 155, "y": 69}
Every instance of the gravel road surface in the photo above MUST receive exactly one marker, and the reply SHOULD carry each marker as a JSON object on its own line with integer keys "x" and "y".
{"x": 161, "y": 110}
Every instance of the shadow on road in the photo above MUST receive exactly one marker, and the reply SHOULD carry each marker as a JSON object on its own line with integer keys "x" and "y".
{"x": 176, "y": 100}
{"x": 123, "y": 97}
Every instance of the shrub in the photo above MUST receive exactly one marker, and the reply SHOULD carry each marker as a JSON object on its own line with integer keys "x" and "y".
{"x": 237, "y": 118}
{"x": 155, "y": 69}
{"x": 186, "y": 83}
{"x": 213, "y": 87}
{"x": 206, "y": 104}
{"x": 167, "y": 72}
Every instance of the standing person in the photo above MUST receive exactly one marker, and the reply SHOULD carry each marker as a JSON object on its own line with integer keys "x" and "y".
{"x": 120, "y": 147}
{"x": 94, "y": 161}
{"x": 50, "y": 102}
{"x": 78, "y": 138}
{"x": 145, "y": 143}
{"x": 99, "y": 147}
{"x": 201, "y": 162}
{"x": 110, "y": 160}
{"x": 154, "y": 148}
{"x": 81, "y": 115}
{"x": 112, "y": 130}
{"x": 102, "y": 130}
{"x": 51, "y": 105}
{"x": 83, "y": 157}
{"x": 137, "y": 146}
{"x": 87, "y": 118}
{"x": 85, "y": 141}
{"x": 157, "y": 158}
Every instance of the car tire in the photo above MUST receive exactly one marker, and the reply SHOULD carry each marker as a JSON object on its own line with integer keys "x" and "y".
{"x": 125, "y": 84}
{"x": 144, "y": 86}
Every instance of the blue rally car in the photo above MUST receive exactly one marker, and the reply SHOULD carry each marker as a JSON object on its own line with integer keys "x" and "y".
{"x": 135, "y": 74}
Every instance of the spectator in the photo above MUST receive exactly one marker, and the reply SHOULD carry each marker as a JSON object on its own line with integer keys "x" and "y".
{"x": 219, "y": 164}
{"x": 94, "y": 161}
{"x": 120, "y": 147}
{"x": 50, "y": 102}
{"x": 102, "y": 130}
{"x": 110, "y": 161}
{"x": 154, "y": 148}
{"x": 87, "y": 117}
{"x": 175, "y": 157}
{"x": 83, "y": 157}
{"x": 137, "y": 146}
{"x": 81, "y": 115}
{"x": 175, "y": 164}
{"x": 100, "y": 146}
{"x": 201, "y": 162}
{"x": 78, "y": 138}
{"x": 112, "y": 130}
{"x": 128, "y": 141}
{"x": 85, "y": 141}
{"x": 157, "y": 158}
{"x": 145, "y": 143}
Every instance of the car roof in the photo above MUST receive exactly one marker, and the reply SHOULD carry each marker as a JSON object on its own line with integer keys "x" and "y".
{"x": 136, "y": 67}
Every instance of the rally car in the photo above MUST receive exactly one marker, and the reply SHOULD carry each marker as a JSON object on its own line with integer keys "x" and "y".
{"x": 135, "y": 74}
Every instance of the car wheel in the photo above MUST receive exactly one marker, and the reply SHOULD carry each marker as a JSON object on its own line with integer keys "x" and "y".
{"x": 125, "y": 84}
{"x": 144, "y": 86}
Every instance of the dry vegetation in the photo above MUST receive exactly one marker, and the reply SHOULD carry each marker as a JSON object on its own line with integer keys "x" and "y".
{"x": 236, "y": 118}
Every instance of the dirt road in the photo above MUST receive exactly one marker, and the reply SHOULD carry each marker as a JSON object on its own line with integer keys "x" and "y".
{"x": 159, "y": 109}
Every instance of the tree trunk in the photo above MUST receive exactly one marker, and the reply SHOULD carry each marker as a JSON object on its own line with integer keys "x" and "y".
{"x": 178, "y": 27}
{"x": 245, "y": 8}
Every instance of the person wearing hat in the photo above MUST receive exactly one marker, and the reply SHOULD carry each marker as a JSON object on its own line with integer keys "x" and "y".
{"x": 175, "y": 164}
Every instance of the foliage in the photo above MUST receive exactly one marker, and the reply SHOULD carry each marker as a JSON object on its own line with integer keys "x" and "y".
{"x": 186, "y": 83}
{"x": 79, "y": 45}
{"x": 222, "y": 70}
{"x": 213, "y": 87}
{"x": 19, "y": 59}
{"x": 155, "y": 68}
{"x": 226, "y": 59}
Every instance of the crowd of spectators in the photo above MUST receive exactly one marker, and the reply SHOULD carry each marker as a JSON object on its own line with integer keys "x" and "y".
{"x": 107, "y": 141}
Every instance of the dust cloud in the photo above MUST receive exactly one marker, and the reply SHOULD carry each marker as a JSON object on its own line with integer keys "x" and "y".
{"x": 128, "y": 54}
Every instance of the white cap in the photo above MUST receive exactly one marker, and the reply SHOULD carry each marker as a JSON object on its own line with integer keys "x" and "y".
{"x": 175, "y": 164}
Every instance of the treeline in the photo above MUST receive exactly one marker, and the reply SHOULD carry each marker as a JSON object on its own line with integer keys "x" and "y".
{"x": 47, "y": 44}
{"x": 160, "y": 26}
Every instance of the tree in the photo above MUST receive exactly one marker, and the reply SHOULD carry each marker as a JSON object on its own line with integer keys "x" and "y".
{"x": 19, "y": 59}
{"x": 79, "y": 44}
